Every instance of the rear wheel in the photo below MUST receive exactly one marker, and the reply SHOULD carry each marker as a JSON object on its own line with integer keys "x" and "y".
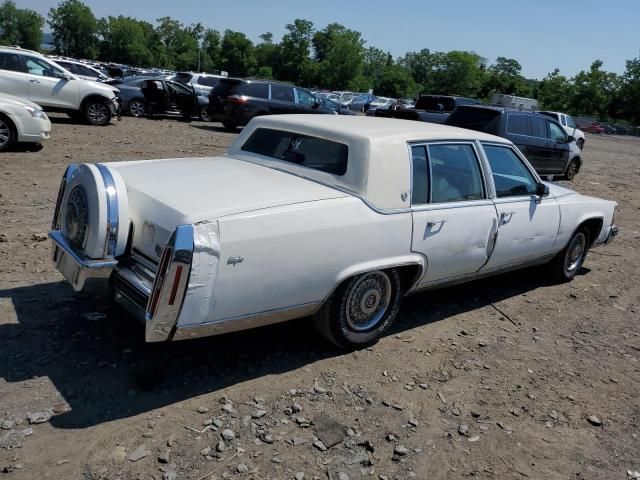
{"x": 568, "y": 262}
{"x": 97, "y": 112}
{"x": 361, "y": 309}
{"x": 8, "y": 133}
{"x": 230, "y": 126}
{"x": 137, "y": 108}
{"x": 572, "y": 169}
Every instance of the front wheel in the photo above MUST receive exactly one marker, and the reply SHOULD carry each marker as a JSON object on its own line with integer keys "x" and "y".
{"x": 568, "y": 262}
{"x": 8, "y": 133}
{"x": 97, "y": 112}
{"x": 572, "y": 169}
{"x": 361, "y": 309}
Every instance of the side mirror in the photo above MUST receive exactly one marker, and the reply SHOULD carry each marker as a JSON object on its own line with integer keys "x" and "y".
{"x": 542, "y": 190}
{"x": 67, "y": 76}
{"x": 571, "y": 138}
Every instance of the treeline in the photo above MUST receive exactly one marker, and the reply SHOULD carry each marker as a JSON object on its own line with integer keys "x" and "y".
{"x": 334, "y": 57}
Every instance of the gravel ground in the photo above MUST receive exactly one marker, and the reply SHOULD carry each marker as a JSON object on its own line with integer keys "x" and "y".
{"x": 509, "y": 377}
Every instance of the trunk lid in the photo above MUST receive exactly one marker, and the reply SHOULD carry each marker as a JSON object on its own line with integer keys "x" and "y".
{"x": 166, "y": 193}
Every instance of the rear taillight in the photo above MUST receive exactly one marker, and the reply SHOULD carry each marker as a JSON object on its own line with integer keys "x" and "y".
{"x": 237, "y": 99}
{"x": 170, "y": 285}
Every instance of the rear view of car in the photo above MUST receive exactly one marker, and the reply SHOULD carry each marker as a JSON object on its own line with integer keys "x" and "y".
{"x": 234, "y": 102}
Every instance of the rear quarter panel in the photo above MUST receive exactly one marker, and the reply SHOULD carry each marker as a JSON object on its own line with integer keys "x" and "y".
{"x": 575, "y": 209}
{"x": 295, "y": 255}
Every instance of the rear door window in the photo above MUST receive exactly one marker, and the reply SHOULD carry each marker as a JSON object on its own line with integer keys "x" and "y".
{"x": 311, "y": 152}
{"x": 538, "y": 127}
{"x": 10, "y": 61}
{"x": 208, "y": 81}
{"x": 518, "y": 124}
{"x": 282, "y": 93}
{"x": 455, "y": 173}
{"x": 258, "y": 90}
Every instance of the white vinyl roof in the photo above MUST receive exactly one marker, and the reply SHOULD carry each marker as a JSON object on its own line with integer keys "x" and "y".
{"x": 378, "y": 167}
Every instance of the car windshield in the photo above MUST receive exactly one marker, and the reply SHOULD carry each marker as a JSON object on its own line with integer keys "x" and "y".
{"x": 311, "y": 152}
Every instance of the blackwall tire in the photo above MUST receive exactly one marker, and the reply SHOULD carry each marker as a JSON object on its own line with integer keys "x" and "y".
{"x": 361, "y": 309}
{"x": 572, "y": 169}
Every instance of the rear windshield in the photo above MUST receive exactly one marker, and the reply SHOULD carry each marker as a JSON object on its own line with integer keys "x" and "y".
{"x": 208, "y": 81}
{"x": 225, "y": 88}
{"x": 311, "y": 152}
{"x": 479, "y": 119}
{"x": 436, "y": 104}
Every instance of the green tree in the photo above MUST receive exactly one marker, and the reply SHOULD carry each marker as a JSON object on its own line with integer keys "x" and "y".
{"x": 593, "y": 90}
{"x": 74, "y": 29}
{"x": 127, "y": 40}
{"x": 295, "y": 50}
{"x": 238, "y": 56}
{"x": 22, "y": 27}
{"x": 374, "y": 64}
{"x": 396, "y": 81}
{"x": 628, "y": 98}
{"x": 211, "y": 52}
{"x": 339, "y": 53}
{"x": 457, "y": 72}
{"x": 554, "y": 92}
{"x": 421, "y": 65}
{"x": 267, "y": 55}
{"x": 504, "y": 76}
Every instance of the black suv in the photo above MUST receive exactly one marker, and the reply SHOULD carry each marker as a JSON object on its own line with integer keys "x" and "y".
{"x": 540, "y": 138}
{"x": 234, "y": 101}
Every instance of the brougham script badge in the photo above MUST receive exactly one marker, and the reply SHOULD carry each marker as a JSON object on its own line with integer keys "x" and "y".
{"x": 235, "y": 260}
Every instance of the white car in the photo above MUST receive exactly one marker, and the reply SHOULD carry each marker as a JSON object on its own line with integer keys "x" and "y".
{"x": 569, "y": 126}
{"x": 335, "y": 217}
{"x": 81, "y": 70}
{"x": 21, "y": 121}
{"x": 27, "y": 74}
{"x": 202, "y": 83}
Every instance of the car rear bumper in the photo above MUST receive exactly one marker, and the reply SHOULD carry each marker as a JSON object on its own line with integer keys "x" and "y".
{"x": 613, "y": 233}
{"x": 81, "y": 272}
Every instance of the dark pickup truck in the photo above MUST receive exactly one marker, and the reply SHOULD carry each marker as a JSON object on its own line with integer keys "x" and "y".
{"x": 428, "y": 108}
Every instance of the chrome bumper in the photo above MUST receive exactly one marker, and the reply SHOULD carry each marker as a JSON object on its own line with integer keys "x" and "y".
{"x": 81, "y": 272}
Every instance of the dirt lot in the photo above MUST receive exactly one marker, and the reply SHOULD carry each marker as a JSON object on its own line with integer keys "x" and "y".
{"x": 496, "y": 379}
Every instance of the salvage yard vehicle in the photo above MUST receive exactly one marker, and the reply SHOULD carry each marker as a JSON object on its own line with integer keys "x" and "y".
{"x": 540, "y": 138}
{"x": 28, "y": 74}
{"x": 335, "y": 217}
{"x": 21, "y": 121}
{"x": 157, "y": 96}
{"x": 569, "y": 126}
{"x": 428, "y": 108}
{"x": 234, "y": 101}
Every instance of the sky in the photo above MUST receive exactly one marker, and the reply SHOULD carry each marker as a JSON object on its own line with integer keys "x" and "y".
{"x": 541, "y": 34}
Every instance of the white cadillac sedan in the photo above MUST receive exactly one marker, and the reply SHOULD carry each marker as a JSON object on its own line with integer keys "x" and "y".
{"x": 337, "y": 218}
{"x": 21, "y": 121}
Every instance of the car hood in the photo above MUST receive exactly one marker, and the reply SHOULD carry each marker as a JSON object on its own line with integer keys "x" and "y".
{"x": 558, "y": 191}
{"x": 181, "y": 191}
{"x": 17, "y": 101}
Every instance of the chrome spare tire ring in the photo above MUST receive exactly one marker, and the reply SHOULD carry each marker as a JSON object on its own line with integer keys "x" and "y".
{"x": 368, "y": 301}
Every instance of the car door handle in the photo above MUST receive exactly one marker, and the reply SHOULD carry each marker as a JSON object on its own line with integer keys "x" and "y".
{"x": 33, "y": 80}
{"x": 433, "y": 223}
{"x": 505, "y": 217}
